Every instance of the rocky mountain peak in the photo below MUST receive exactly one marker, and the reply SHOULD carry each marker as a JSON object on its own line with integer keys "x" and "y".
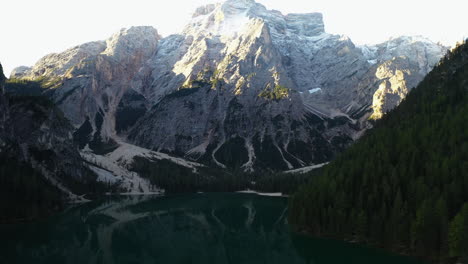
{"x": 127, "y": 41}
{"x": 227, "y": 8}
{"x": 20, "y": 71}
{"x": 204, "y": 10}
{"x": 135, "y": 41}
{"x": 239, "y": 77}
{"x": 230, "y": 17}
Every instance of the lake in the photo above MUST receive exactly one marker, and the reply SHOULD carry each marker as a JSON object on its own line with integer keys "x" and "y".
{"x": 196, "y": 228}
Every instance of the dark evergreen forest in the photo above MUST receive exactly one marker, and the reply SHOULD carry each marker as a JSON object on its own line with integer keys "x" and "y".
{"x": 403, "y": 186}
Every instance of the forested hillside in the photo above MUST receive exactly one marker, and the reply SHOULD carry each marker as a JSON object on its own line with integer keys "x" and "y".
{"x": 38, "y": 161}
{"x": 24, "y": 193}
{"x": 404, "y": 186}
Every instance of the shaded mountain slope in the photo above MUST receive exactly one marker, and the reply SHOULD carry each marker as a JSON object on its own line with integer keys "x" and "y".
{"x": 404, "y": 185}
{"x": 40, "y": 166}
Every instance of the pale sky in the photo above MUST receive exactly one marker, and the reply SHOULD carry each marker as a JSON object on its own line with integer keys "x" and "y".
{"x": 31, "y": 29}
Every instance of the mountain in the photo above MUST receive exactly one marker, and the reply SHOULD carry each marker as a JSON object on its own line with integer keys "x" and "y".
{"x": 39, "y": 165}
{"x": 3, "y": 106}
{"x": 403, "y": 185}
{"x": 240, "y": 87}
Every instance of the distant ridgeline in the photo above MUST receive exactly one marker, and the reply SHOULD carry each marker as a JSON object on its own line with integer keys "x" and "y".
{"x": 403, "y": 186}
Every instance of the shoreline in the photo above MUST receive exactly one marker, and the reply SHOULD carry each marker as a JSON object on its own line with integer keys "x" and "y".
{"x": 404, "y": 252}
{"x": 277, "y": 194}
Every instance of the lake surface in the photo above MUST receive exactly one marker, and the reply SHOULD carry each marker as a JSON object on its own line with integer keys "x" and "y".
{"x": 196, "y": 228}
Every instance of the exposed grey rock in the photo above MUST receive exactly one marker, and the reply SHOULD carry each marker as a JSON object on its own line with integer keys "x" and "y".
{"x": 204, "y": 10}
{"x": 245, "y": 48}
{"x": 89, "y": 80}
{"x": 20, "y": 72}
{"x": 34, "y": 132}
{"x": 276, "y": 90}
{"x": 39, "y": 135}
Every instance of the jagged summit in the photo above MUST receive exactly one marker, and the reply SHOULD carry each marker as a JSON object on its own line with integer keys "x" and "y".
{"x": 274, "y": 88}
{"x": 119, "y": 45}
{"x": 229, "y": 7}
{"x": 231, "y": 16}
{"x": 135, "y": 38}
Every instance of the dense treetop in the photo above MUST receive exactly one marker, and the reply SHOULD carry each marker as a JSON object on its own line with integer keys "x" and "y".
{"x": 404, "y": 185}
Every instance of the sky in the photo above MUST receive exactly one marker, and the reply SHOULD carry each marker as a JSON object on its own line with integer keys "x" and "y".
{"x": 30, "y": 29}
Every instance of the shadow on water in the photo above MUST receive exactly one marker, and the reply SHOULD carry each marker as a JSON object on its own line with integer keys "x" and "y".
{"x": 201, "y": 228}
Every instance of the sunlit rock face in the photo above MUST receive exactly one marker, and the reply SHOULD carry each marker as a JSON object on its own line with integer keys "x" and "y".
{"x": 19, "y": 72}
{"x": 275, "y": 89}
{"x": 400, "y": 64}
{"x": 235, "y": 94}
{"x": 394, "y": 77}
{"x": 89, "y": 81}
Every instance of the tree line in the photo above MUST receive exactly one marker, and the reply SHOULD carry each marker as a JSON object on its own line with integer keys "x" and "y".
{"x": 403, "y": 186}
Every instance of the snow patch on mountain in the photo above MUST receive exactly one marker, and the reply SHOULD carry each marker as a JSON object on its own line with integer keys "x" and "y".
{"x": 315, "y": 90}
{"x": 193, "y": 92}
{"x": 306, "y": 169}
{"x": 114, "y": 167}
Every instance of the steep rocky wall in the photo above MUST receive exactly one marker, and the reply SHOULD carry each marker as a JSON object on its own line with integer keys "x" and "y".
{"x": 89, "y": 81}
{"x": 238, "y": 74}
{"x": 34, "y": 132}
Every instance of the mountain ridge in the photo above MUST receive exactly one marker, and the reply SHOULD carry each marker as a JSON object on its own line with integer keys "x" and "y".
{"x": 319, "y": 87}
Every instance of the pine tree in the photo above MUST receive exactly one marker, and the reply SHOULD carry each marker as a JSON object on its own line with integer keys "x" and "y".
{"x": 458, "y": 234}
{"x": 407, "y": 175}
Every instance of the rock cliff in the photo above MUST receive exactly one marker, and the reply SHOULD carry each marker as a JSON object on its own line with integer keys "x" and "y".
{"x": 240, "y": 86}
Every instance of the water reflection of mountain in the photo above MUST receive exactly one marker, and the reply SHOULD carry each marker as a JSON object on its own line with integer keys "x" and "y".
{"x": 203, "y": 228}
{"x": 215, "y": 228}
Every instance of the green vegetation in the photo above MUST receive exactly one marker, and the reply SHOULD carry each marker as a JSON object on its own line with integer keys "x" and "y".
{"x": 404, "y": 185}
{"x": 127, "y": 117}
{"x": 268, "y": 155}
{"x": 83, "y": 135}
{"x": 23, "y": 87}
{"x": 178, "y": 179}
{"x": 233, "y": 153}
{"x": 206, "y": 77}
{"x": 34, "y": 87}
{"x": 282, "y": 182}
{"x": 277, "y": 93}
{"x": 2, "y": 76}
{"x": 183, "y": 92}
{"x": 175, "y": 178}
{"x": 24, "y": 193}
